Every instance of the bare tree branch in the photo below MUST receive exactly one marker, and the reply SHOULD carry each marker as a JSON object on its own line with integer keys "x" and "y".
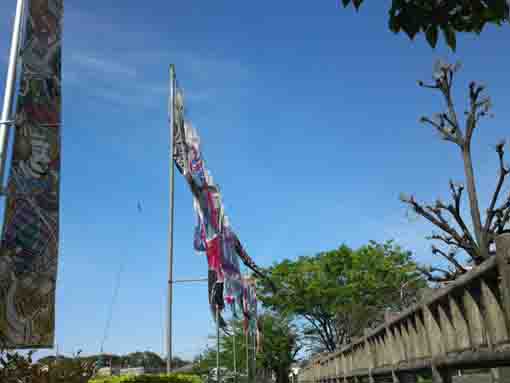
{"x": 446, "y": 134}
{"x": 469, "y": 244}
{"x": 503, "y": 172}
{"x": 445, "y": 239}
{"x": 450, "y": 257}
{"x": 437, "y": 220}
{"x": 452, "y": 118}
{"x": 427, "y": 272}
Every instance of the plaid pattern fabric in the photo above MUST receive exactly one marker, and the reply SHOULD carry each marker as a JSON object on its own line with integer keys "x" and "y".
{"x": 27, "y": 235}
{"x": 30, "y": 233}
{"x": 213, "y": 252}
{"x": 230, "y": 260}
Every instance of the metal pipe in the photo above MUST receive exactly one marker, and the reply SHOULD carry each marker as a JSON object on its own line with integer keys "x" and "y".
{"x": 171, "y": 103}
{"x": 248, "y": 354}
{"x": 190, "y": 280}
{"x": 234, "y": 350}
{"x": 254, "y": 354}
{"x": 218, "y": 375}
{"x": 10, "y": 86}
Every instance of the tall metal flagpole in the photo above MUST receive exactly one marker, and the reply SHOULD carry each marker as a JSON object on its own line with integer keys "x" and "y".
{"x": 171, "y": 103}
{"x": 10, "y": 86}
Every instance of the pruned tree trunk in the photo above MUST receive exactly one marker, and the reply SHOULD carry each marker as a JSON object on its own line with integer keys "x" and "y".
{"x": 473, "y": 201}
{"x": 476, "y": 245}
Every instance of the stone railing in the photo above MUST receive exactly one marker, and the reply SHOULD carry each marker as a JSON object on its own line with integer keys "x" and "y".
{"x": 460, "y": 327}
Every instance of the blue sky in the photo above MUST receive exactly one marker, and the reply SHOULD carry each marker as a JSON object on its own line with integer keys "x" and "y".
{"x": 309, "y": 121}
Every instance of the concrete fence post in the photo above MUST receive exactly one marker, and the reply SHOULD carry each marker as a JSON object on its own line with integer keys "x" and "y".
{"x": 370, "y": 356}
{"x": 503, "y": 259}
{"x": 441, "y": 375}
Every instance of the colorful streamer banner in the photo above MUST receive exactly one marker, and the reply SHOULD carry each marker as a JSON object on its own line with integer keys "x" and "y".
{"x": 29, "y": 243}
{"x": 249, "y": 305}
{"x": 212, "y": 235}
{"x": 259, "y": 336}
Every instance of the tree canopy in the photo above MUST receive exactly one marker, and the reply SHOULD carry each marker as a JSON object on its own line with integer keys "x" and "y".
{"x": 446, "y": 16}
{"x": 278, "y": 349}
{"x": 280, "y": 345}
{"x": 338, "y": 293}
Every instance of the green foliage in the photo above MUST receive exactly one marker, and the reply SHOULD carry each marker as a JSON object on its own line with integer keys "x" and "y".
{"x": 338, "y": 293}
{"x": 171, "y": 378}
{"x": 426, "y": 16}
{"x": 146, "y": 359}
{"x": 15, "y": 368}
{"x": 207, "y": 359}
{"x": 280, "y": 345}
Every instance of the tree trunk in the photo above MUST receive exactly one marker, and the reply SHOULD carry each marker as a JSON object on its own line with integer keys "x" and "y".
{"x": 473, "y": 201}
{"x": 282, "y": 375}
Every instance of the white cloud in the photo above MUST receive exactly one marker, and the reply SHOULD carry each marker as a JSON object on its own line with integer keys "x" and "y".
{"x": 105, "y": 66}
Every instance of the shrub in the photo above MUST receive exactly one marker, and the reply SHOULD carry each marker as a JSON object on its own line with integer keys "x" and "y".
{"x": 15, "y": 368}
{"x": 172, "y": 378}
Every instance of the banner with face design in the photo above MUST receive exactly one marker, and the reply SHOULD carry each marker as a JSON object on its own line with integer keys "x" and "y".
{"x": 29, "y": 242}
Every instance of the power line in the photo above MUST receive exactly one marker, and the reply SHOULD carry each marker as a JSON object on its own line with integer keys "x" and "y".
{"x": 110, "y": 315}
{"x": 115, "y": 294}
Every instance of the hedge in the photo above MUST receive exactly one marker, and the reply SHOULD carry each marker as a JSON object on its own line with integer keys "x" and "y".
{"x": 172, "y": 378}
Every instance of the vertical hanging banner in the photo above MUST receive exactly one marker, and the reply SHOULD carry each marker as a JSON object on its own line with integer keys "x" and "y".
{"x": 29, "y": 243}
{"x": 179, "y": 152}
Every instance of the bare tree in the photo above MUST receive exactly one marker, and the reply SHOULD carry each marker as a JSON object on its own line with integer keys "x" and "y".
{"x": 476, "y": 241}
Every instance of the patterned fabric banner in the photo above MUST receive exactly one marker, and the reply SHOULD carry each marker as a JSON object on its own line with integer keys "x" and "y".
{"x": 212, "y": 235}
{"x": 29, "y": 244}
{"x": 249, "y": 305}
{"x": 179, "y": 152}
{"x": 260, "y": 335}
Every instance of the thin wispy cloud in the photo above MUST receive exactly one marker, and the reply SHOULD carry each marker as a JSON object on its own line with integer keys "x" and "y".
{"x": 104, "y": 66}
{"x": 135, "y": 75}
{"x": 126, "y": 81}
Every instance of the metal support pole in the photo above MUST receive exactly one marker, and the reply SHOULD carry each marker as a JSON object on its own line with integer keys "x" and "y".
{"x": 10, "y": 86}
{"x": 191, "y": 280}
{"x": 254, "y": 355}
{"x": 171, "y": 222}
{"x": 248, "y": 354}
{"x": 218, "y": 375}
{"x": 235, "y": 356}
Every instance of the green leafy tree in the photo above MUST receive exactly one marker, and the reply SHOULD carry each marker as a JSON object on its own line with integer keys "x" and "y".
{"x": 16, "y": 368}
{"x": 207, "y": 359}
{"x": 280, "y": 344}
{"x": 446, "y": 16}
{"x": 334, "y": 295}
{"x": 146, "y": 359}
